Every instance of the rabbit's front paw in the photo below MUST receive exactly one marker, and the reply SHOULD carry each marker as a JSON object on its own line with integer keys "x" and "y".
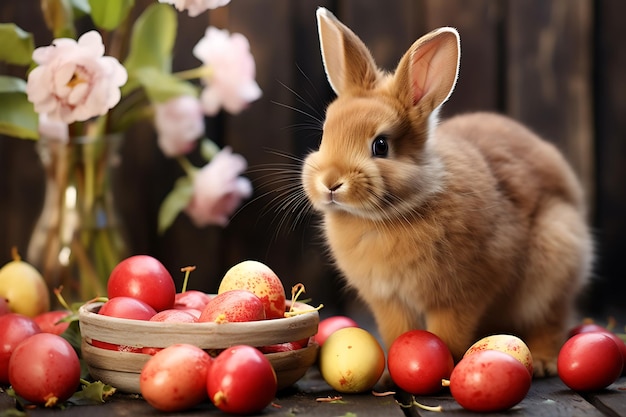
{"x": 544, "y": 366}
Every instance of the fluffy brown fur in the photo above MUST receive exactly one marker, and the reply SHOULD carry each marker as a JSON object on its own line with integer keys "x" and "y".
{"x": 468, "y": 227}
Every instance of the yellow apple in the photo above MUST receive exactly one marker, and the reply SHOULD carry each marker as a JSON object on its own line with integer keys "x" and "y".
{"x": 24, "y": 288}
{"x": 506, "y": 343}
{"x": 351, "y": 360}
{"x": 259, "y": 279}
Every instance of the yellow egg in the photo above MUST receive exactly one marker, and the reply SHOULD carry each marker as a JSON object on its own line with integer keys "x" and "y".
{"x": 351, "y": 360}
{"x": 24, "y": 288}
{"x": 506, "y": 343}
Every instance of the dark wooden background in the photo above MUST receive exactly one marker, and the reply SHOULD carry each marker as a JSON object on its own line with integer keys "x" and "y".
{"x": 556, "y": 65}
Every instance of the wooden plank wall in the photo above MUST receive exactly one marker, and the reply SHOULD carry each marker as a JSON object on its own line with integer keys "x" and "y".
{"x": 556, "y": 65}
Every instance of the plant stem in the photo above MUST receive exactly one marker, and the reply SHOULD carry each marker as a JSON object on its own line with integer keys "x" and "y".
{"x": 187, "y": 166}
{"x": 187, "y": 270}
{"x": 296, "y": 291}
{"x": 437, "y": 408}
{"x": 203, "y": 71}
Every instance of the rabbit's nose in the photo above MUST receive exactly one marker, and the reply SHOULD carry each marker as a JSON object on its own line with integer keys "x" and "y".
{"x": 332, "y": 192}
{"x": 332, "y": 180}
{"x": 335, "y": 187}
{"x": 331, "y": 196}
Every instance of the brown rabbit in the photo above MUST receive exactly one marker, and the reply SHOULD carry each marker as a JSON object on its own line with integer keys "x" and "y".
{"x": 470, "y": 227}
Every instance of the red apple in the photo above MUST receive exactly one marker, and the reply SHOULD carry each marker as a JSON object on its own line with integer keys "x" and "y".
{"x": 258, "y": 278}
{"x": 174, "y": 316}
{"x": 14, "y": 329}
{"x": 586, "y": 328}
{"x": 175, "y": 378}
{"x": 285, "y": 347}
{"x": 44, "y": 369}
{"x": 191, "y": 299}
{"x": 331, "y": 324}
{"x": 192, "y": 311}
{"x": 127, "y": 308}
{"x": 241, "y": 380}
{"x": 144, "y": 278}
{"x": 50, "y": 322}
{"x": 233, "y": 306}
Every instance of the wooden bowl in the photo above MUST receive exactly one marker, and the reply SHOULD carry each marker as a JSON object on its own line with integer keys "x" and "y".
{"x": 121, "y": 369}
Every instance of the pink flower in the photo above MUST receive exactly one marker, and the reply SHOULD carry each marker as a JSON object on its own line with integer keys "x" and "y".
{"x": 231, "y": 84}
{"x": 53, "y": 129}
{"x": 218, "y": 189}
{"x": 74, "y": 80}
{"x": 195, "y": 7}
{"x": 179, "y": 122}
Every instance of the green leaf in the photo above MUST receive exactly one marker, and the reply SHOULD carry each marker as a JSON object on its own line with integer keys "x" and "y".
{"x": 92, "y": 393}
{"x": 152, "y": 42}
{"x": 20, "y": 403}
{"x": 17, "y": 44}
{"x": 109, "y": 14}
{"x": 123, "y": 117}
{"x": 13, "y": 412}
{"x": 175, "y": 202}
{"x": 12, "y": 84}
{"x": 17, "y": 115}
{"x": 161, "y": 86}
{"x": 72, "y": 335}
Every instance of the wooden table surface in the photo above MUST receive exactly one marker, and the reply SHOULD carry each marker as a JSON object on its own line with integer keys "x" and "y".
{"x": 547, "y": 397}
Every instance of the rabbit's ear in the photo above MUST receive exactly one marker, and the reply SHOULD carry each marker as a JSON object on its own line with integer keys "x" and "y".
{"x": 428, "y": 71}
{"x": 347, "y": 61}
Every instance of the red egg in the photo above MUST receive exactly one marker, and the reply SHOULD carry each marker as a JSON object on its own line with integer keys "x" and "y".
{"x": 590, "y": 361}
{"x": 488, "y": 381}
{"x": 418, "y": 360}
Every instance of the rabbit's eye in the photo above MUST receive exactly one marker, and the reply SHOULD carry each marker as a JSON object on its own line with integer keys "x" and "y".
{"x": 380, "y": 147}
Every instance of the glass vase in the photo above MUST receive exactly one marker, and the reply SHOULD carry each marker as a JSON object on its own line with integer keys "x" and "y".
{"x": 78, "y": 238}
